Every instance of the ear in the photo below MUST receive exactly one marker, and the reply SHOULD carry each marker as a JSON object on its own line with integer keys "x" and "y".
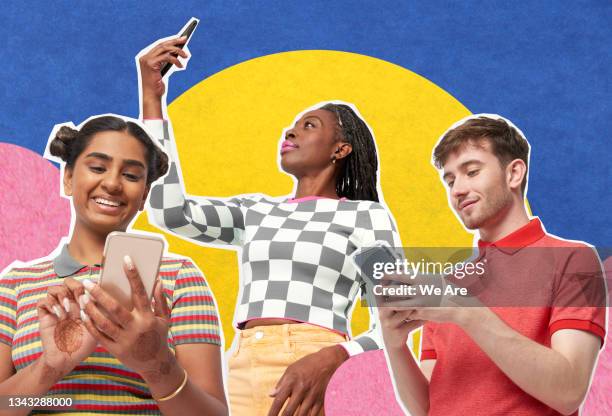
{"x": 67, "y": 181}
{"x": 515, "y": 173}
{"x": 144, "y": 198}
{"x": 342, "y": 150}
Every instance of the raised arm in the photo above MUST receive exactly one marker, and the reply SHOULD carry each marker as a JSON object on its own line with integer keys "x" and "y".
{"x": 202, "y": 219}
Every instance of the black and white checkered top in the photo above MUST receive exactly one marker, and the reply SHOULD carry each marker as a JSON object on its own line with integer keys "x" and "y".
{"x": 295, "y": 254}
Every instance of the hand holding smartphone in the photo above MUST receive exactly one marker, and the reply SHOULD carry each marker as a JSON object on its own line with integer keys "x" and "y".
{"x": 145, "y": 252}
{"x": 189, "y": 29}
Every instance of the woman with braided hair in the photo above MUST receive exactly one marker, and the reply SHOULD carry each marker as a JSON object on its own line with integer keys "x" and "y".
{"x": 297, "y": 283}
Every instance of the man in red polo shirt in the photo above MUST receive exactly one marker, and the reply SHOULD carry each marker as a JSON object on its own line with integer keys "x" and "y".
{"x": 531, "y": 346}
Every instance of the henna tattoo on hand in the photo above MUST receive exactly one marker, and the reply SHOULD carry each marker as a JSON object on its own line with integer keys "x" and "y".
{"x": 49, "y": 374}
{"x": 166, "y": 366}
{"x": 146, "y": 346}
{"x": 163, "y": 369}
{"x": 68, "y": 335}
{"x": 152, "y": 375}
{"x": 141, "y": 291}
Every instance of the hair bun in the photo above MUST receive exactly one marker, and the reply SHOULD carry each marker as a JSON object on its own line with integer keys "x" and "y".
{"x": 62, "y": 143}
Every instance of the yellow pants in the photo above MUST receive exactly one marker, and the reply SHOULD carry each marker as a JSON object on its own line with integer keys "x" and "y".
{"x": 260, "y": 358}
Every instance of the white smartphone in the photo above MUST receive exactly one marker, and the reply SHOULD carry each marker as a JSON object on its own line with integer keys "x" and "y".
{"x": 146, "y": 254}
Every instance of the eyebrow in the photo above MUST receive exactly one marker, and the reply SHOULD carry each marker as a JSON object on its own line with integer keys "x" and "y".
{"x": 463, "y": 165}
{"x": 104, "y": 156}
{"x": 313, "y": 116}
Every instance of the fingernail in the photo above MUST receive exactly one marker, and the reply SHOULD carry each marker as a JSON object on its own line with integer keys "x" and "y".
{"x": 84, "y": 316}
{"x": 66, "y": 304}
{"x": 83, "y": 300}
{"x": 56, "y": 309}
{"x": 272, "y": 392}
{"x": 128, "y": 262}
{"x": 88, "y": 284}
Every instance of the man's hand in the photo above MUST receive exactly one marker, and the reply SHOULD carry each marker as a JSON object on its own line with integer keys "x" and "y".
{"x": 304, "y": 382}
{"x": 405, "y": 313}
{"x": 396, "y": 325}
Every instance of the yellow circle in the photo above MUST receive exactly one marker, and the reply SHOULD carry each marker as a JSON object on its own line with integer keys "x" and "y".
{"x": 227, "y": 129}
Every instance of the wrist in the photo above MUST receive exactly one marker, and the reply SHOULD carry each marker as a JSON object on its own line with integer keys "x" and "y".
{"x": 150, "y": 98}
{"x": 162, "y": 382}
{"x": 50, "y": 371}
{"x": 162, "y": 372}
{"x": 470, "y": 318}
{"x": 337, "y": 353}
{"x": 395, "y": 344}
{"x": 151, "y": 105}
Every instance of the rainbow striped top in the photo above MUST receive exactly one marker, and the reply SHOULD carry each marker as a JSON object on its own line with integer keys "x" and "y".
{"x": 101, "y": 384}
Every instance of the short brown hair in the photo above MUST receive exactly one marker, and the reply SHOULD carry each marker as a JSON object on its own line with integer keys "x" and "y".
{"x": 507, "y": 143}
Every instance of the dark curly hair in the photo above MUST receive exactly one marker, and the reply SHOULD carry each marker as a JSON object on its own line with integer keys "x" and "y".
{"x": 69, "y": 143}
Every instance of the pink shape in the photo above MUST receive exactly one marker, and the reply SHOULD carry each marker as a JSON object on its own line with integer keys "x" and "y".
{"x": 33, "y": 215}
{"x": 362, "y": 387}
{"x": 599, "y": 400}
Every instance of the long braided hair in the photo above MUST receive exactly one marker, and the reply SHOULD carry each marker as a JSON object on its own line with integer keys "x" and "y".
{"x": 358, "y": 174}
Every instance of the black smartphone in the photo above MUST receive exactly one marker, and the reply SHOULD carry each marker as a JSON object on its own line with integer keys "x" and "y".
{"x": 191, "y": 25}
{"x": 370, "y": 259}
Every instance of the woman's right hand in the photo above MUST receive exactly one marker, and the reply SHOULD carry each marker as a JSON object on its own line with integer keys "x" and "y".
{"x": 65, "y": 339}
{"x": 152, "y": 62}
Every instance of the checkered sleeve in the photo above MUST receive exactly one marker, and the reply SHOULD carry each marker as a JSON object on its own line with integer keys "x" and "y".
{"x": 378, "y": 226}
{"x": 202, "y": 219}
{"x": 194, "y": 318}
{"x": 8, "y": 308}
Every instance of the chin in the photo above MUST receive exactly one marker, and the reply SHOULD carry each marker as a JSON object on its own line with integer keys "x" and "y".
{"x": 106, "y": 227}
{"x": 288, "y": 168}
{"x": 471, "y": 223}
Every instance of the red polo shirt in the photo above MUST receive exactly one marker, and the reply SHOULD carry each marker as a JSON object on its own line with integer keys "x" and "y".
{"x": 547, "y": 298}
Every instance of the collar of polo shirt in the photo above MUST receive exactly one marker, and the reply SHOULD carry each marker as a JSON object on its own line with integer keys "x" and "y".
{"x": 513, "y": 242}
{"x": 65, "y": 265}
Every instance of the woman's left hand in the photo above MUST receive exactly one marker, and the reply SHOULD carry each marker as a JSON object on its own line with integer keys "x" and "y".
{"x": 304, "y": 382}
{"x": 138, "y": 338}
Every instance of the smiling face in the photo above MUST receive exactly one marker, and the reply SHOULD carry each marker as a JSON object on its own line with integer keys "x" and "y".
{"x": 108, "y": 182}
{"x": 477, "y": 184}
{"x": 311, "y": 143}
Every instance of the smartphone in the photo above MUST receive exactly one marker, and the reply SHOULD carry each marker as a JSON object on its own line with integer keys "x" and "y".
{"x": 189, "y": 29}
{"x": 366, "y": 258}
{"x": 146, "y": 254}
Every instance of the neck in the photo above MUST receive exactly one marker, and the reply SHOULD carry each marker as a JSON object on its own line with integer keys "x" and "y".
{"x": 86, "y": 246}
{"x": 323, "y": 184}
{"x": 505, "y": 223}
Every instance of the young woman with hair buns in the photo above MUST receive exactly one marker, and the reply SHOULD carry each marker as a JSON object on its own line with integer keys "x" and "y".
{"x": 61, "y": 335}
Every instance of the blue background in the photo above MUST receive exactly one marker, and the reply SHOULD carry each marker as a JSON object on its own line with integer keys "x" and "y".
{"x": 545, "y": 65}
